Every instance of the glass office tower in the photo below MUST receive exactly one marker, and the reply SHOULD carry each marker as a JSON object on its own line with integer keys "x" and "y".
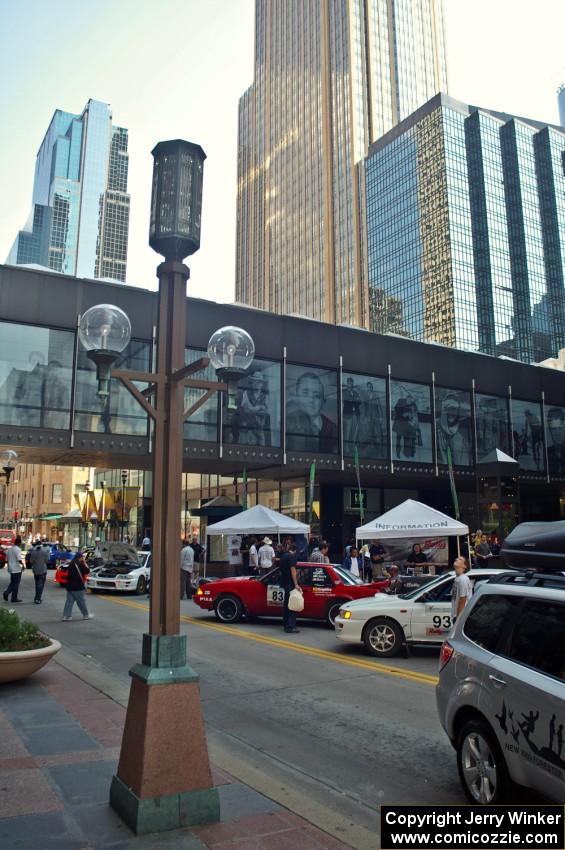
{"x": 331, "y": 76}
{"x": 466, "y": 231}
{"x": 80, "y": 206}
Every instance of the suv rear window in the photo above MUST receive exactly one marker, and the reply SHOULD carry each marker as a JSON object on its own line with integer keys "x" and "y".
{"x": 538, "y": 638}
{"x": 485, "y": 622}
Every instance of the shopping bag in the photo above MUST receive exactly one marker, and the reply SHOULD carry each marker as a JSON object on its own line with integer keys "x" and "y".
{"x": 295, "y": 601}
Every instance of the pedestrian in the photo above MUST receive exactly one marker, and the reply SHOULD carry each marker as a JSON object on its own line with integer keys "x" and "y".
{"x": 197, "y": 549}
{"x": 482, "y": 551}
{"x": 462, "y": 588}
{"x": 186, "y": 568}
{"x": 146, "y": 544}
{"x": 289, "y": 582}
{"x": 320, "y": 555}
{"x": 377, "y": 554}
{"x": 76, "y": 574}
{"x": 38, "y": 560}
{"x": 395, "y": 583}
{"x": 253, "y": 557}
{"x": 266, "y": 555}
{"x": 353, "y": 562}
{"x": 416, "y": 558}
{"x": 15, "y": 561}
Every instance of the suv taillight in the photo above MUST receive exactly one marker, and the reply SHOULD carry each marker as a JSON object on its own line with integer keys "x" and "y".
{"x": 445, "y": 654}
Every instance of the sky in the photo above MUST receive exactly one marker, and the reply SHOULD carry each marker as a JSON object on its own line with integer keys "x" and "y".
{"x": 176, "y": 68}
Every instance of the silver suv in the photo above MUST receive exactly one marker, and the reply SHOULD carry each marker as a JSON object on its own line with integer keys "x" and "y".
{"x": 501, "y": 691}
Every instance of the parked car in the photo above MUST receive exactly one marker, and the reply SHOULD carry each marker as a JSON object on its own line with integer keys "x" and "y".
{"x": 326, "y": 587}
{"x": 501, "y": 691}
{"x": 384, "y": 624}
{"x": 126, "y": 571}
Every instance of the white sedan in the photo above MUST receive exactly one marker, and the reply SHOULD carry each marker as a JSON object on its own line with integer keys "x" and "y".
{"x": 385, "y": 623}
{"x": 127, "y": 576}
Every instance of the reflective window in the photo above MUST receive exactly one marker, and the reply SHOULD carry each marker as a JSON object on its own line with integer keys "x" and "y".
{"x": 527, "y": 435}
{"x": 485, "y": 622}
{"x": 311, "y": 409}
{"x": 252, "y": 412}
{"x": 538, "y": 639}
{"x": 492, "y": 424}
{"x": 364, "y": 416}
{"x": 555, "y": 436}
{"x": 411, "y": 422}
{"x": 119, "y": 413}
{"x": 203, "y": 424}
{"x": 35, "y": 376}
{"x": 453, "y": 427}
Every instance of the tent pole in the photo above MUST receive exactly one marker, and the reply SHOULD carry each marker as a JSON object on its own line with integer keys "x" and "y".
{"x": 458, "y": 546}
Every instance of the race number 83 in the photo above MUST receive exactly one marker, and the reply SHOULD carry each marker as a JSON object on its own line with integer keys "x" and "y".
{"x": 275, "y": 595}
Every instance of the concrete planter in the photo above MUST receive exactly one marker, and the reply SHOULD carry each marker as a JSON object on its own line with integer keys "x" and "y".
{"x": 19, "y": 665}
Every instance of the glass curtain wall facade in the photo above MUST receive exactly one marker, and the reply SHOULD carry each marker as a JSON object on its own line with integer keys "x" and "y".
{"x": 330, "y": 78}
{"x": 80, "y": 206}
{"x": 466, "y": 231}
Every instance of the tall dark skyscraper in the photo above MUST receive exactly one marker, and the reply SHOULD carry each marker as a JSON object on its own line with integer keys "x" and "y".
{"x": 80, "y": 207}
{"x": 331, "y": 76}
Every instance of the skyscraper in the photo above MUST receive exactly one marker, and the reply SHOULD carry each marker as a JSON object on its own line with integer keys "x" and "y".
{"x": 466, "y": 230}
{"x": 331, "y": 76}
{"x": 80, "y": 206}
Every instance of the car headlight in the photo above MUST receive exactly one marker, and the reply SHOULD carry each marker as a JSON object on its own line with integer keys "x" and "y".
{"x": 199, "y": 592}
{"x": 345, "y": 615}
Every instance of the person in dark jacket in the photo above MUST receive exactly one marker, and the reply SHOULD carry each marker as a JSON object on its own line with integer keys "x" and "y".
{"x": 289, "y": 581}
{"x": 75, "y": 588}
{"x": 38, "y": 560}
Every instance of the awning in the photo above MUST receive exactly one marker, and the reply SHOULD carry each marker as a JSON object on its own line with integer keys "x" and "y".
{"x": 411, "y": 519}
{"x": 49, "y": 516}
{"x": 259, "y": 520}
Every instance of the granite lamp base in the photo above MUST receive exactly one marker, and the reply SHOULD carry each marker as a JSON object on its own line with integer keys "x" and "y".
{"x": 164, "y": 779}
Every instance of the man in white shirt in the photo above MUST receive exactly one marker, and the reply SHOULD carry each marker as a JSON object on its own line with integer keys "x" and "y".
{"x": 253, "y": 557}
{"x": 462, "y": 588}
{"x": 15, "y": 561}
{"x": 266, "y": 555}
{"x": 186, "y": 568}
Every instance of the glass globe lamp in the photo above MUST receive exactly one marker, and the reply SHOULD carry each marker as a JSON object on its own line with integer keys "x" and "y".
{"x": 9, "y": 458}
{"x": 104, "y": 331}
{"x": 231, "y": 352}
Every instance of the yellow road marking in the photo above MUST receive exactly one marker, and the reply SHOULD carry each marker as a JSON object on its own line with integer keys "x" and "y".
{"x": 326, "y": 655}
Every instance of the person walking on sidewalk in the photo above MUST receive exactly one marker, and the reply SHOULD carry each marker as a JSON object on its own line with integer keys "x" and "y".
{"x": 289, "y": 581}
{"x": 75, "y": 588}
{"x": 38, "y": 560}
{"x": 186, "y": 568}
{"x": 15, "y": 561}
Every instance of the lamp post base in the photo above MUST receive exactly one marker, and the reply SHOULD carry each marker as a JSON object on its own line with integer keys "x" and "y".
{"x": 164, "y": 779}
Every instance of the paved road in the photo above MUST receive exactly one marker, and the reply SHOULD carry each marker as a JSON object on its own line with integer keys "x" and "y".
{"x": 304, "y": 715}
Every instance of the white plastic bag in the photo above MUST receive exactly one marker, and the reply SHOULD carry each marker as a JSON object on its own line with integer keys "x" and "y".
{"x": 295, "y": 601}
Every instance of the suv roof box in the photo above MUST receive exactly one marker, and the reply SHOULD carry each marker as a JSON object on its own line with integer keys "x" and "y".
{"x": 535, "y": 546}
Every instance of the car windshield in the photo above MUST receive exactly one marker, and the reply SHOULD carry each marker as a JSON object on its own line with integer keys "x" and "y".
{"x": 346, "y": 576}
{"x": 429, "y": 585}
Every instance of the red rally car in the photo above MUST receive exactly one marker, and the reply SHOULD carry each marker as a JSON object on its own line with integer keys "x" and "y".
{"x": 326, "y": 587}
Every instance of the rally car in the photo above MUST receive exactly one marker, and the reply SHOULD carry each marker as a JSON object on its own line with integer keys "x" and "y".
{"x": 384, "y": 624}
{"x": 127, "y": 571}
{"x": 325, "y": 586}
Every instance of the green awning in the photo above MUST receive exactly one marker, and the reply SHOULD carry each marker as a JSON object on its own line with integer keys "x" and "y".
{"x": 50, "y": 516}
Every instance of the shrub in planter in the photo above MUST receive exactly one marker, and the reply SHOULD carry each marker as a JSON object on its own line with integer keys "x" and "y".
{"x": 18, "y": 635}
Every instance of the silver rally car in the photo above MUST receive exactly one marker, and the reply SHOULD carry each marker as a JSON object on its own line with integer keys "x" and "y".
{"x": 124, "y": 569}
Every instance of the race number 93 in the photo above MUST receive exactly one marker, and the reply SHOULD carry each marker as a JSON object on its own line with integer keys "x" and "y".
{"x": 275, "y": 595}
{"x": 441, "y": 622}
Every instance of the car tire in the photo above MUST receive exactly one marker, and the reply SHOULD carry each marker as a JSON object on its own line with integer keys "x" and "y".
{"x": 141, "y": 588}
{"x": 228, "y": 609}
{"x": 383, "y": 637}
{"x": 333, "y": 611}
{"x": 481, "y": 765}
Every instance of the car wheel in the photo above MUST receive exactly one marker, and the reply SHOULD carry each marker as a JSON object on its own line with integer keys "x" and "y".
{"x": 482, "y": 769}
{"x": 141, "y": 586}
{"x": 383, "y": 637}
{"x": 228, "y": 609}
{"x": 333, "y": 611}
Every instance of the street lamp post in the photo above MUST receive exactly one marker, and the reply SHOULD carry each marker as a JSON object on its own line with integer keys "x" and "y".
{"x": 8, "y": 459}
{"x": 124, "y": 480}
{"x": 164, "y": 779}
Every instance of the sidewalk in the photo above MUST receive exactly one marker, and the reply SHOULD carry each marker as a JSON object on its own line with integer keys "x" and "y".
{"x": 59, "y": 745}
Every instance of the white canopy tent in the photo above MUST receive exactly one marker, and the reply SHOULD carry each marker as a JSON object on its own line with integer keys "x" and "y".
{"x": 411, "y": 519}
{"x": 259, "y": 520}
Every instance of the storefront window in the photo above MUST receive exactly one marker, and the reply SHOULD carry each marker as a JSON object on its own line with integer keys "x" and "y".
{"x": 492, "y": 425}
{"x": 311, "y": 410}
{"x": 364, "y": 416}
{"x": 453, "y": 426}
{"x": 35, "y": 376}
{"x": 203, "y": 424}
{"x": 119, "y": 413}
{"x": 411, "y": 422}
{"x": 527, "y": 435}
{"x": 252, "y": 412}
{"x": 555, "y": 436}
